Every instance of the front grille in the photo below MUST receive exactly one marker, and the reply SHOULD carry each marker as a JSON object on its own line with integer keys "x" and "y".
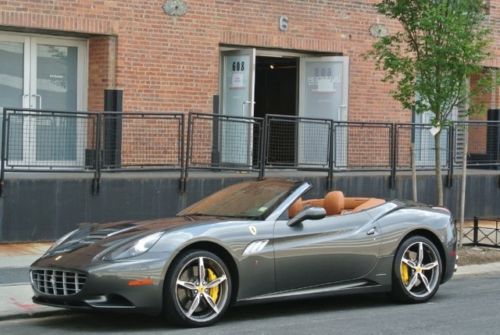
{"x": 57, "y": 282}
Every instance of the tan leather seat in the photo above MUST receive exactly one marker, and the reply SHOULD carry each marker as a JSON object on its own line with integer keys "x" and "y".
{"x": 350, "y": 202}
{"x": 300, "y": 204}
{"x": 368, "y": 204}
{"x": 334, "y": 203}
{"x": 296, "y": 208}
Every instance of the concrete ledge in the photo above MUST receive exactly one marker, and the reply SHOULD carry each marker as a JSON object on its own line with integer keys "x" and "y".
{"x": 34, "y": 209}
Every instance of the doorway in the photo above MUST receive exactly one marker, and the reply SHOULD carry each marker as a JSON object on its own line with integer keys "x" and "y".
{"x": 44, "y": 73}
{"x": 276, "y": 93}
{"x": 256, "y": 83}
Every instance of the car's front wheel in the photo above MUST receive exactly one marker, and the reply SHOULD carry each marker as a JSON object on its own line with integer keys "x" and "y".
{"x": 417, "y": 270}
{"x": 197, "y": 289}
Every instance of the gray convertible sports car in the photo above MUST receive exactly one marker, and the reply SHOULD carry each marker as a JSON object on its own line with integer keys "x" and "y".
{"x": 251, "y": 242}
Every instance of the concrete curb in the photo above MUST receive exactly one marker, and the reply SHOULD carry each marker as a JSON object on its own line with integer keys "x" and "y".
{"x": 477, "y": 269}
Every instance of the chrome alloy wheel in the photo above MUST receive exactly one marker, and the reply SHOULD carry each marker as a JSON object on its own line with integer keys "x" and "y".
{"x": 420, "y": 269}
{"x": 201, "y": 289}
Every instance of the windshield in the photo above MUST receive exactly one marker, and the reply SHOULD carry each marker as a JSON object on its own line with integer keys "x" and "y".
{"x": 253, "y": 199}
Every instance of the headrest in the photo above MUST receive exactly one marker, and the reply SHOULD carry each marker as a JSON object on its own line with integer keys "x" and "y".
{"x": 334, "y": 203}
{"x": 295, "y": 208}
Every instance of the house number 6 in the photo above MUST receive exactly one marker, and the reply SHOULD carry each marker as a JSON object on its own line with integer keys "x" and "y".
{"x": 283, "y": 22}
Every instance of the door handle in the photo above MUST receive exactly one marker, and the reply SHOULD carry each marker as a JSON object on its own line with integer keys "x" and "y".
{"x": 371, "y": 231}
{"x": 248, "y": 102}
{"x": 36, "y": 100}
{"x": 26, "y": 101}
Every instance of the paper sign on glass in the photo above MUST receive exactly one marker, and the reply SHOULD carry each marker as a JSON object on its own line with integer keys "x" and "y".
{"x": 237, "y": 80}
{"x": 325, "y": 85}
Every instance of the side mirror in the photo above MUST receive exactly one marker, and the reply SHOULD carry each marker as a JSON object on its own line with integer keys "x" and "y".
{"x": 310, "y": 213}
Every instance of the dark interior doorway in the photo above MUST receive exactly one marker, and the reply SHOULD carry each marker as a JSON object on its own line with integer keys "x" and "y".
{"x": 276, "y": 93}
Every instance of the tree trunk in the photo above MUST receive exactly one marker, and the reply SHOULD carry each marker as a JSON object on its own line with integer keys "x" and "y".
{"x": 439, "y": 179}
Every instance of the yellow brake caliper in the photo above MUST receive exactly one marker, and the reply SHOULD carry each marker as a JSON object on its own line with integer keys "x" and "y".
{"x": 214, "y": 291}
{"x": 405, "y": 276}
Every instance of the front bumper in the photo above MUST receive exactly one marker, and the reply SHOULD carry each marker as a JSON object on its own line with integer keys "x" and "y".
{"x": 131, "y": 285}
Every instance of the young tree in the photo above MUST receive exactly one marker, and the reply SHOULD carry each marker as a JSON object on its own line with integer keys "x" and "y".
{"x": 441, "y": 44}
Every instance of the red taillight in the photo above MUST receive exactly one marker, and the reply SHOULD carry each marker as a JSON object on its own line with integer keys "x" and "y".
{"x": 453, "y": 253}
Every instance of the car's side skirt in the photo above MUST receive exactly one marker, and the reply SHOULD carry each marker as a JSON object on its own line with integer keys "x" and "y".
{"x": 361, "y": 286}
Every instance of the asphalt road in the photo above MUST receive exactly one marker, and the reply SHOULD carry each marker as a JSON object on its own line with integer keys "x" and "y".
{"x": 466, "y": 305}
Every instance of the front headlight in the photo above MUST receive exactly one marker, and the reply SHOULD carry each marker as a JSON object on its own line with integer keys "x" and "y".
{"x": 134, "y": 248}
{"x": 61, "y": 241}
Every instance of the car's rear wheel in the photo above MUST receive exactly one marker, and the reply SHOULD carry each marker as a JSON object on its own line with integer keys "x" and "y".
{"x": 197, "y": 289}
{"x": 417, "y": 270}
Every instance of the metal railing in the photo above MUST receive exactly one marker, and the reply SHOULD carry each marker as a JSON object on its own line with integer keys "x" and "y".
{"x": 363, "y": 146}
{"x": 49, "y": 141}
{"x": 220, "y": 142}
{"x": 141, "y": 141}
{"x": 483, "y": 143}
{"x": 297, "y": 143}
{"x": 62, "y": 141}
{"x": 35, "y": 140}
{"x": 485, "y": 232}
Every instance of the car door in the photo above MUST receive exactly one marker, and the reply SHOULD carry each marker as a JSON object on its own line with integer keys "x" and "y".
{"x": 330, "y": 250}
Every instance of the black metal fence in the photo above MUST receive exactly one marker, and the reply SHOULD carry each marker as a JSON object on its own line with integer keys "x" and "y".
{"x": 483, "y": 143}
{"x": 47, "y": 140}
{"x": 484, "y": 232}
{"x": 141, "y": 141}
{"x": 59, "y": 141}
{"x": 44, "y": 141}
{"x": 220, "y": 142}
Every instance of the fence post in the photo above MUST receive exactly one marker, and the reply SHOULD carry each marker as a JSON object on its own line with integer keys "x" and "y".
{"x": 331, "y": 151}
{"x": 393, "y": 151}
{"x": 97, "y": 159}
{"x": 476, "y": 229}
{"x": 2, "y": 159}
{"x": 263, "y": 150}
{"x": 451, "y": 153}
{"x": 182, "y": 179}
{"x": 187, "y": 152}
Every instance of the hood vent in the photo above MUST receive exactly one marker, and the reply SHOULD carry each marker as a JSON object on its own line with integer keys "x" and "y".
{"x": 105, "y": 233}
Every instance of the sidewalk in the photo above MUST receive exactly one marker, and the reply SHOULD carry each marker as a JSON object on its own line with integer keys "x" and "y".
{"x": 16, "y": 292}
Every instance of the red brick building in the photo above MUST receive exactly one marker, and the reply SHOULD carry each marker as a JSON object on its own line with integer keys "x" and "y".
{"x": 259, "y": 57}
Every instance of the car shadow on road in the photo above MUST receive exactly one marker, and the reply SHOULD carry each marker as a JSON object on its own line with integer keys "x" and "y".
{"x": 95, "y": 321}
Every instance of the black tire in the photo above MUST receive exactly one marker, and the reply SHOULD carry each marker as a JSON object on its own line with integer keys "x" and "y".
{"x": 402, "y": 288}
{"x": 178, "y": 299}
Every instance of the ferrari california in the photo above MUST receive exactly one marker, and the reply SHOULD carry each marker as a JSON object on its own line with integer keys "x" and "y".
{"x": 251, "y": 242}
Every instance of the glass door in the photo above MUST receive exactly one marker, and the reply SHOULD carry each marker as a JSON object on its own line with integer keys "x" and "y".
{"x": 236, "y": 136}
{"x": 45, "y": 73}
{"x": 324, "y": 86}
{"x": 56, "y": 81}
